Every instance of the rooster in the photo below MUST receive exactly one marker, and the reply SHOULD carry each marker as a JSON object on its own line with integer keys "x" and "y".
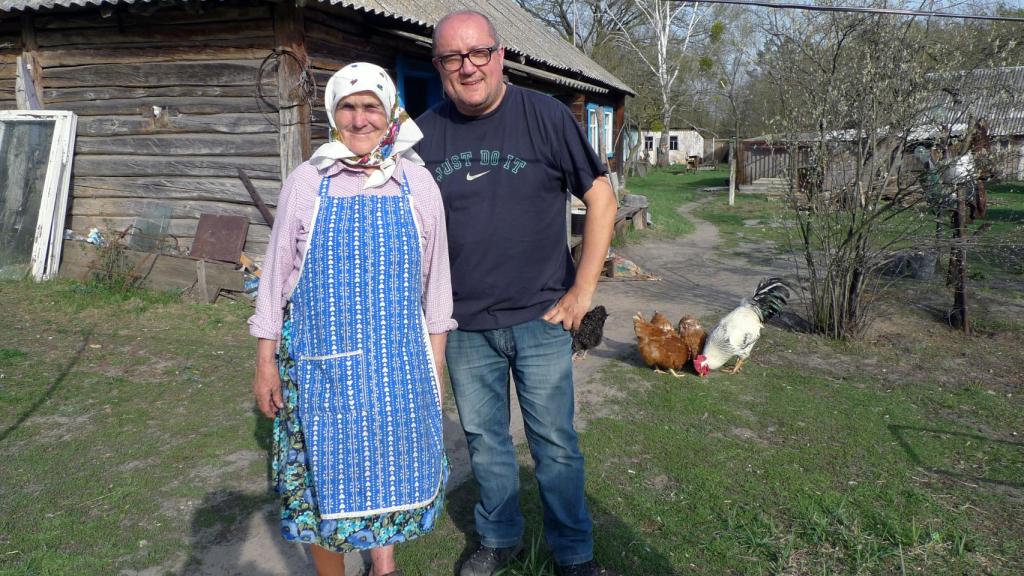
{"x": 590, "y": 332}
{"x": 660, "y": 345}
{"x": 736, "y": 334}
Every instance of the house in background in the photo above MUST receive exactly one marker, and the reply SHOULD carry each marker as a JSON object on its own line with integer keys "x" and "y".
{"x": 681, "y": 145}
{"x": 173, "y": 97}
{"x": 994, "y": 96}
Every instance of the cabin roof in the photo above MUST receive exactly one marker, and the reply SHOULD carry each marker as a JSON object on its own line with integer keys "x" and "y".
{"x": 527, "y": 40}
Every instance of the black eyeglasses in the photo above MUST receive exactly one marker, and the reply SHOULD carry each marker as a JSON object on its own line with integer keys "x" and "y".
{"x": 478, "y": 56}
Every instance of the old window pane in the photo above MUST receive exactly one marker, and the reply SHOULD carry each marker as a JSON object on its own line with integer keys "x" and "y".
{"x": 35, "y": 157}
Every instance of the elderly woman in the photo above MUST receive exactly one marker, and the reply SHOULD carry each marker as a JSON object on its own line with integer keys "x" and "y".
{"x": 355, "y": 299}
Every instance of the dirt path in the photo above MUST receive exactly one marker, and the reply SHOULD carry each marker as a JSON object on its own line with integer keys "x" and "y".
{"x": 695, "y": 279}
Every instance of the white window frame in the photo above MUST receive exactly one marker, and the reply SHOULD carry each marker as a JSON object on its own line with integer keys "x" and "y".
{"x": 609, "y": 132}
{"x": 673, "y": 143}
{"x": 592, "y": 129}
{"x": 648, "y": 142}
{"x": 49, "y": 236}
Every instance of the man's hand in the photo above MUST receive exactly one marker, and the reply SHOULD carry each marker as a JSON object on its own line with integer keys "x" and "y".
{"x": 570, "y": 309}
{"x": 597, "y": 235}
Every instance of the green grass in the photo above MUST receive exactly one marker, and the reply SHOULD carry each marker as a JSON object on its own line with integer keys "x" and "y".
{"x": 119, "y": 418}
{"x": 129, "y": 442}
{"x": 751, "y": 218}
{"x": 780, "y": 471}
{"x": 666, "y": 189}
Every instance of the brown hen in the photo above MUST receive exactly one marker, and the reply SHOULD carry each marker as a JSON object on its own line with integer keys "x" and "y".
{"x": 693, "y": 334}
{"x": 660, "y": 345}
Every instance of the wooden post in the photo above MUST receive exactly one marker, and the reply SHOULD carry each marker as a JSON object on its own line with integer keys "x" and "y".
{"x": 733, "y": 150}
{"x": 294, "y": 133}
{"x": 958, "y": 262}
{"x": 29, "y": 80}
{"x": 619, "y": 127}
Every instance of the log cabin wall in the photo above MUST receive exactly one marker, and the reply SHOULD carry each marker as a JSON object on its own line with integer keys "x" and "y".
{"x": 166, "y": 98}
{"x": 335, "y": 38}
{"x": 10, "y": 49}
{"x": 167, "y": 101}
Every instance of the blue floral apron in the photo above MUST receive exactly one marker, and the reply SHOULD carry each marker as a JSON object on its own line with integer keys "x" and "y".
{"x": 367, "y": 400}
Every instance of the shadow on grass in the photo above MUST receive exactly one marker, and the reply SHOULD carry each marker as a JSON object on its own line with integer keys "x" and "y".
{"x": 902, "y": 433}
{"x": 617, "y": 545}
{"x": 237, "y": 533}
{"x": 52, "y": 389}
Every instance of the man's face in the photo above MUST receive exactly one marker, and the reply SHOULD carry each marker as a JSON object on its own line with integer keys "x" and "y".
{"x": 475, "y": 89}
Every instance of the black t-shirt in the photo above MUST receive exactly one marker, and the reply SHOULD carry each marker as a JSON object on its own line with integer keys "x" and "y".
{"x": 504, "y": 178}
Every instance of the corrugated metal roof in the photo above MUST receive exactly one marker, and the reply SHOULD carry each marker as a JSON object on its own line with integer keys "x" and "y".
{"x": 520, "y": 32}
{"x": 994, "y": 94}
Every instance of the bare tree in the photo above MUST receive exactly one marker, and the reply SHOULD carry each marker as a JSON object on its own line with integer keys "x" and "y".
{"x": 660, "y": 38}
{"x": 585, "y": 23}
{"x": 857, "y": 94}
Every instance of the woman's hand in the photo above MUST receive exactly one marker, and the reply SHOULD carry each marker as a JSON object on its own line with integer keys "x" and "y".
{"x": 266, "y": 384}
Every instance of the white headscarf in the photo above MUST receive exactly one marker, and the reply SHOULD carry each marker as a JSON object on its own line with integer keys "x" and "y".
{"x": 398, "y": 139}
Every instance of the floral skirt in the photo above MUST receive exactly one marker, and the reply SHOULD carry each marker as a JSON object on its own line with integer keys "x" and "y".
{"x": 300, "y": 514}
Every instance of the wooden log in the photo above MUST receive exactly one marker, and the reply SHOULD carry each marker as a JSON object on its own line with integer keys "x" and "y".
{"x": 254, "y": 49}
{"x": 158, "y": 272}
{"x": 294, "y": 110}
{"x": 183, "y": 229}
{"x": 165, "y": 15}
{"x": 202, "y": 34}
{"x": 181, "y": 188}
{"x": 258, "y": 167}
{"x": 168, "y": 208}
{"x": 199, "y": 105}
{"x": 342, "y": 21}
{"x": 218, "y": 72}
{"x": 168, "y": 124}
{"x": 379, "y": 54}
{"x": 61, "y": 95}
{"x": 185, "y": 144}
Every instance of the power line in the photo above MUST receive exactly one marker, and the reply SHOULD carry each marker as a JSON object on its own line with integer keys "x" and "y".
{"x": 895, "y": 11}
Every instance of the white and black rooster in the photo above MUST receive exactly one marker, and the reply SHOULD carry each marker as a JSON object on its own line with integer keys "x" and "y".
{"x": 736, "y": 334}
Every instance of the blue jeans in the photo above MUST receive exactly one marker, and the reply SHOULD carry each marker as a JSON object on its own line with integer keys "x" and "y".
{"x": 539, "y": 355}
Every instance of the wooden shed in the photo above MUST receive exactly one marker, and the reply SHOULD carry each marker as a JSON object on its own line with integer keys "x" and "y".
{"x": 173, "y": 97}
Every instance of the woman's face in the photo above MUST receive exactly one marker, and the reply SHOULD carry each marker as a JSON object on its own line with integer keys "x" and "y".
{"x": 361, "y": 121}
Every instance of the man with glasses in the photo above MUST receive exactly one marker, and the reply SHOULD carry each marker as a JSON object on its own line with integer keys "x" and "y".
{"x": 505, "y": 159}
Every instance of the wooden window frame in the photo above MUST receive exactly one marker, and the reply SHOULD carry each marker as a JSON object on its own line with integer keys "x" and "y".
{"x": 49, "y": 236}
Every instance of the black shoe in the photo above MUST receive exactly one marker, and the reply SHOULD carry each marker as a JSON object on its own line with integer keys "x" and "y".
{"x": 486, "y": 560}
{"x": 588, "y": 568}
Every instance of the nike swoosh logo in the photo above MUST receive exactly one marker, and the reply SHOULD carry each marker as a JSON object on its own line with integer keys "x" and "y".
{"x": 471, "y": 177}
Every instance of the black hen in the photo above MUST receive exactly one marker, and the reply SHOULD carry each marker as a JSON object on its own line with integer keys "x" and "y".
{"x": 590, "y": 332}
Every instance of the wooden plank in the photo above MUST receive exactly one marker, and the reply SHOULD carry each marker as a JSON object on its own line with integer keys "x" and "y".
{"x": 268, "y": 216}
{"x": 199, "y": 105}
{"x": 256, "y": 248}
{"x": 294, "y": 137}
{"x": 183, "y": 188}
{"x": 168, "y": 124}
{"x": 202, "y": 34}
{"x": 185, "y": 144}
{"x": 254, "y": 49}
{"x": 61, "y": 95}
{"x": 218, "y": 72}
{"x": 170, "y": 208}
{"x": 257, "y": 167}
